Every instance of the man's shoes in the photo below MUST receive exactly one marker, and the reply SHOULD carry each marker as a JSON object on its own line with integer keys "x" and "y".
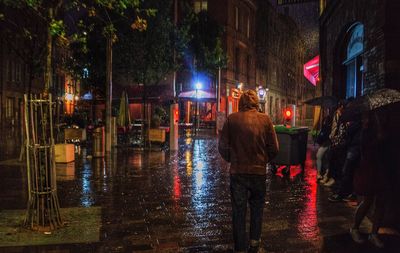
{"x": 330, "y": 182}
{"x": 335, "y": 198}
{"x": 374, "y": 239}
{"x": 350, "y": 198}
{"x": 356, "y": 235}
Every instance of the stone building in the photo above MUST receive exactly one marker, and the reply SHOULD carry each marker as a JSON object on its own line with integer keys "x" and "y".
{"x": 306, "y": 16}
{"x": 280, "y": 59}
{"x": 238, "y": 18}
{"x": 264, "y": 49}
{"x": 359, "y": 46}
{"x": 359, "y": 54}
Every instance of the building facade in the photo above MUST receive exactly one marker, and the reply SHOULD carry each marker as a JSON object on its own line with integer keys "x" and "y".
{"x": 360, "y": 54}
{"x": 21, "y": 72}
{"x": 238, "y": 19}
{"x": 358, "y": 45}
{"x": 280, "y": 58}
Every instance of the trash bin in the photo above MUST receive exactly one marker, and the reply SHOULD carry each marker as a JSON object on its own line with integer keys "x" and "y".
{"x": 292, "y": 145}
{"x": 98, "y": 142}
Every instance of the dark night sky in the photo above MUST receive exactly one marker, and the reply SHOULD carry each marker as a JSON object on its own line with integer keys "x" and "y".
{"x": 306, "y": 15}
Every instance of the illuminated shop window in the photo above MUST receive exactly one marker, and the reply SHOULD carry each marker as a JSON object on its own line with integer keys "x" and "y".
{"x": 200, "y": 5}
{"x": 248, "y": 27}
{"x": 354, "y": 62}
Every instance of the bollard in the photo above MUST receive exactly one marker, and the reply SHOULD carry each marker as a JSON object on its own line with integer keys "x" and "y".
{"x": 98, "y": 142}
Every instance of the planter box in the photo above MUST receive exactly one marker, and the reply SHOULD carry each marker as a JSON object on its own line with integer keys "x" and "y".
{"x": 64, "y": 153}
{"x": 65, "y": 171}
{"x": 157, "y": 135}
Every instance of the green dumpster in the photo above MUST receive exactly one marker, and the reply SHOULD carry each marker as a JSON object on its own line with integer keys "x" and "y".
{"x": 292, "y": 145}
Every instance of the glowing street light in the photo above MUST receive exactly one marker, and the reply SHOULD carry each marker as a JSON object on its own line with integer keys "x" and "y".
{"x": 262, "y": 95}
{"x": 69, "y": 97}
{"x": 198, "y": 86}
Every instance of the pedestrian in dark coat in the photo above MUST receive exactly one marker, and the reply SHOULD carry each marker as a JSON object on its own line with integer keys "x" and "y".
{"x": 323, "y": 150}
{"x": 352, "y": 161}
{"x": 337, "y": 149}
{"x": 380, "y": 163}
{"x": 248, "y": 141}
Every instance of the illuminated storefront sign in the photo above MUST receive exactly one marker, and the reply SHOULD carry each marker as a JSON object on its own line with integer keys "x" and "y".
{"x": 311, "y": 70}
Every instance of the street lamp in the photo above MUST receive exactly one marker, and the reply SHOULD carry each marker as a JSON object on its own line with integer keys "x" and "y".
{"x": 262, "y": 94}
{"x": 198, "y": 86}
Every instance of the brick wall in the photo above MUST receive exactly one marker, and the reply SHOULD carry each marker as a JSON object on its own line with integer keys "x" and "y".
{"x": 381, "y": 57}
{"x": 238, "y": 70}
{"x": 335, "y": 21}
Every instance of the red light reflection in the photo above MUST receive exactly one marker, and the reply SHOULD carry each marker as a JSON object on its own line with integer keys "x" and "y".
{"x": 308, "y": 217}
{"x": 177, "y": 187}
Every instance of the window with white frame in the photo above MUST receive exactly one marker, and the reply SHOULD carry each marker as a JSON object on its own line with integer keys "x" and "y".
{"x": 248, "y": 26}
{"x": 237, "y": 63}
{"x": 236, "y": 18}
{"x": 18, "y": 71}
{"x": 9, "y": 107}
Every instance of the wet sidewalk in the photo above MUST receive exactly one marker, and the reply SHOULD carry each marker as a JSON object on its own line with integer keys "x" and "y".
{"x": 156, "y": 201}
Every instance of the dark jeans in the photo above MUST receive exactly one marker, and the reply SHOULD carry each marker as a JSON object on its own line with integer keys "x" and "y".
{"x": 247, "y": 188}
{"x": 350, "y": 164}
{"x": 337, "y": 157}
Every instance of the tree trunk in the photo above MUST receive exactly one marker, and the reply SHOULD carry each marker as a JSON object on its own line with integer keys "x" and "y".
{"x": 108, "y": 92}
{"x": 144, "y": 122}
{"x": 30, "y": 80}
{"x": 49, "y": 46}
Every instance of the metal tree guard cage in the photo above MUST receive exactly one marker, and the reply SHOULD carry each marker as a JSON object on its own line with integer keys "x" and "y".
{"x": 43, "y": 212}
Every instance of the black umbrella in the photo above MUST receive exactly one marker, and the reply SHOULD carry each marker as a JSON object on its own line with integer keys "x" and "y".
{"x": 323, "y": 101}
{"x": 375, "y": 100}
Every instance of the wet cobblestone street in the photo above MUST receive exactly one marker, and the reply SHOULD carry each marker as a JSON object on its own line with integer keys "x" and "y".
{"x": 157, "y": 201}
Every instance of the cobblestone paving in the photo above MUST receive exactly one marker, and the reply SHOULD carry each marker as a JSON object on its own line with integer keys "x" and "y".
{"x": 157, "y": 201}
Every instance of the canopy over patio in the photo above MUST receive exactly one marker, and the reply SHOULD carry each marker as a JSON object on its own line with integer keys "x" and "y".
{"x": 199, "y": 94}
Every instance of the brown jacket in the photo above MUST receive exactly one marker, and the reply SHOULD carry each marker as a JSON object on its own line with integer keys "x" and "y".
{"x": 248, "y": 141}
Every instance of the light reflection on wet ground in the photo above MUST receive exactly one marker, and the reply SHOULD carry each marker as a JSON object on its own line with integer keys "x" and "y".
{"x": 179, "y": 202}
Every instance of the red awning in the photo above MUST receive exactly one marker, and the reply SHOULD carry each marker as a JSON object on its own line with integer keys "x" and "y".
{"x": 311, "y": 70}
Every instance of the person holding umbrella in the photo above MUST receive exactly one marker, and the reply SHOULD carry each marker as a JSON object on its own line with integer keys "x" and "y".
{"x": 329, "y": 103}
{"x": 337, "y": 149}
{"x": 324, "y": 144}
{"x": 380, "y": 160}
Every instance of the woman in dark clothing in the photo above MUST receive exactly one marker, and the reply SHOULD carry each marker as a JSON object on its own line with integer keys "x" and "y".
{"x": 352, "y": 161}
{"x": 337, "y": 151}
{"x": 324, "y": 143}
{"x": 372, "y": 179}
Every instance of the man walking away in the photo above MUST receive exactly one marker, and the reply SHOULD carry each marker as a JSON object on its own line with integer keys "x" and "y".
{"x": 248, "y": 141}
